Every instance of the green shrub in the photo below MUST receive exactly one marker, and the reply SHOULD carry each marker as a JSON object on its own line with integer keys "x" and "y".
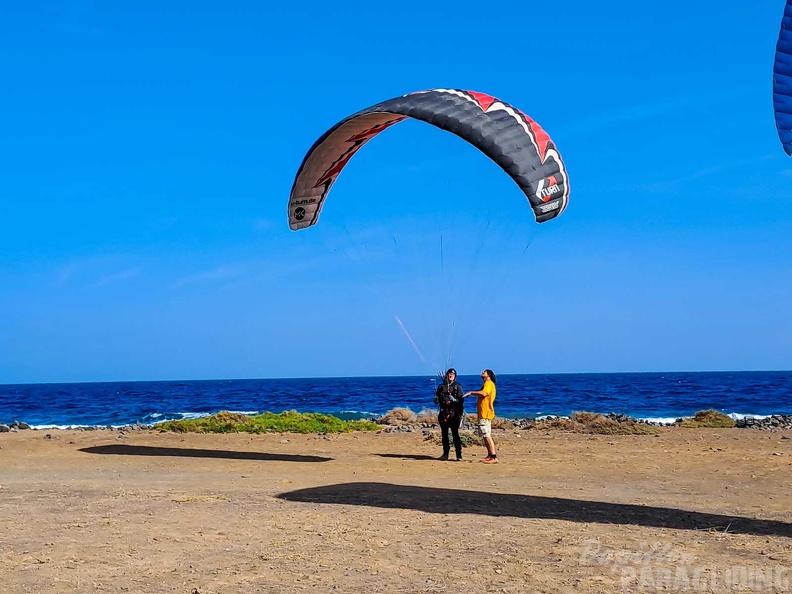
{"x": 285, "y": 422}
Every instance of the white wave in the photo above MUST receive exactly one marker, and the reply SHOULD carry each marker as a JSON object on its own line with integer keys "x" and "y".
{"x": 737, "y": 416}
{"x": 659, "y": 420}
{"x": 192, "y": 415}
{"x": 734, "y": 415}
{"x": 200, "y": 415}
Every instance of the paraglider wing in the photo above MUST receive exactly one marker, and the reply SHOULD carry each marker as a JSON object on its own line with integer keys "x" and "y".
{"x": 782, "y": 80}
{"x": 502, "y": 132}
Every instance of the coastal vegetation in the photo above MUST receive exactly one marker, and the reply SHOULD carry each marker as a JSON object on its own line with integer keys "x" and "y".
{"x": 708, "y": 418}
{"x": 579, "y": 422}
{"x": 317, "y": 423}
{"x": 285, "y": 422}
{"x": 586, "y": 422}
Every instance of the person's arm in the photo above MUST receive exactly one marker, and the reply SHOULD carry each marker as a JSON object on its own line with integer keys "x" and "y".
{"x": 475, "y": 393}
{"x": 481, "y": 392}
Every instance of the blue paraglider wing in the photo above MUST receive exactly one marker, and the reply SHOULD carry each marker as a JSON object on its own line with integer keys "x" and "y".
{"x": 782, "y": 80}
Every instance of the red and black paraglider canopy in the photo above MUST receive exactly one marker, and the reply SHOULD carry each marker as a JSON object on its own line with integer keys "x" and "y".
{"x": 502, "y": 132}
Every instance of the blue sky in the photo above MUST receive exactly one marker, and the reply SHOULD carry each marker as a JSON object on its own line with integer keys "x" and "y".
{"x": 147, "y": 152}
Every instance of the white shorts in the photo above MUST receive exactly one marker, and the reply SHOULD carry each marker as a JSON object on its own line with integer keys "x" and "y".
{"x": 484, "y": 427}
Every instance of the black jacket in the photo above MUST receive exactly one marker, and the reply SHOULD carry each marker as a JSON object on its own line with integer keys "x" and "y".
{"x": 449, "y": 397}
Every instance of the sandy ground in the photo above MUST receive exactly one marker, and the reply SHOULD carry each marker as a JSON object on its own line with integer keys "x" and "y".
{"x": 689, "y": 510}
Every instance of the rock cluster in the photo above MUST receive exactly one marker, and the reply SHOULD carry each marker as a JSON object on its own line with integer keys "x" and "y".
{"x": 399, "y": 429}
{"x": 17, "y": 426}
{"x": 772, "y": 423}
{"x": 619, "y": 418}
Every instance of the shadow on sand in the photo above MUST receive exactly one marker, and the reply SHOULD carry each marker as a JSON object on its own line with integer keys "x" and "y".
{"x": 131, "y": 450}
{"x": 408, "y": 456}
{"x": 457, "y": 501}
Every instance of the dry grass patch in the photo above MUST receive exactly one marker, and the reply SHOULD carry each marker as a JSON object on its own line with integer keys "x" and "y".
{"x": 198, "y": 498}
{"x": 586, "y": 422}
{"x": 427, "y": 416}
{"x": 497, "y": 423}
{"x": 466, "y": 437}
{"x": 709, "y": 418}
{"x": 398, "y": 416}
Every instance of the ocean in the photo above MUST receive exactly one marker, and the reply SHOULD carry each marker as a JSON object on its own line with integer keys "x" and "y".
{"x": 651, "y": 396}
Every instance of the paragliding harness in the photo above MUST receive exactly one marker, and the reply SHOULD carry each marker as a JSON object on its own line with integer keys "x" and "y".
{"x": 449, "y": 398}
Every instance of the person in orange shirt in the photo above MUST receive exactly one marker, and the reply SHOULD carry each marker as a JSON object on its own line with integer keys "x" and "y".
{"x": 485, "y": 411}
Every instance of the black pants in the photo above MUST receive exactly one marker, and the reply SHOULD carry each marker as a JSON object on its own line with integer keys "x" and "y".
{"x": 453, "y": 424}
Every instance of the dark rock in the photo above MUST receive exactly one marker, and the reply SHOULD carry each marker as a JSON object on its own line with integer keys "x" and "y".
{"x": 4, "y": 428}
{"x": 771, "y": 423}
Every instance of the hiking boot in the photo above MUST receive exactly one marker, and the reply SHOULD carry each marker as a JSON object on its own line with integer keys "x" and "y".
{"x": 489, "y": 460}
{"x": 459, "y": 456}
{"x": 444, "y": 456}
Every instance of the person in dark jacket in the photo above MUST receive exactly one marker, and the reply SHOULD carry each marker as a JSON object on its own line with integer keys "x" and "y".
{"x": 452, "y": 410}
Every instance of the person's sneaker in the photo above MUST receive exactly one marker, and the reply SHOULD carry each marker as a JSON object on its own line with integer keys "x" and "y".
{"x": 489, "y": 460}
{"x": 459, "y": 456}
{"x": 443, "y": 457}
